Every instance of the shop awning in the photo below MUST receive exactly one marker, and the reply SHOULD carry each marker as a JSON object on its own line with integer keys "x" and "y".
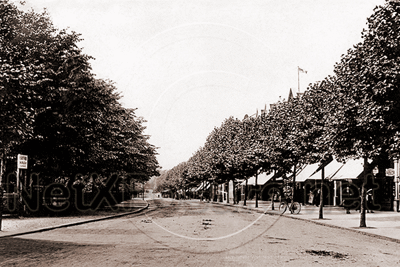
{"x": 262, "y": 178}
{"x": 306, "y": 172}
{"x": 352, "y": 169}
{"x": 203, "y": 186}
{"x": 330, "y": 170}
{"x": 337, "y": 170}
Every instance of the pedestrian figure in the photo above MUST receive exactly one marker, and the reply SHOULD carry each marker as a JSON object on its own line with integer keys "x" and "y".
{"x": 311, "y": 198}
{"x": 370, "y": 199}
{"x": 238, "y": 196}
{"x": 317, "y": 197}
{"x": 287, "y": 194}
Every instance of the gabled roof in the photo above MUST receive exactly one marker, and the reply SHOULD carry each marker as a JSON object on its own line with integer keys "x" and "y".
{"x": 290, "y": 97}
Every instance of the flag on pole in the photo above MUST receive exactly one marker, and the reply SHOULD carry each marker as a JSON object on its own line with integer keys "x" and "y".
{"x": 301, "y": 70}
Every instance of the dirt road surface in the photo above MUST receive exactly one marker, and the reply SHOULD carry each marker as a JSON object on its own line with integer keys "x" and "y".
{"x": 189, "y": 233}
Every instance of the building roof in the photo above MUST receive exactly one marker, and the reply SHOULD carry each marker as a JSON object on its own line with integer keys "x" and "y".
{"x": 290, "y": 97}
{"x": 203, "y": 186}
{"x": 337, "y": 170}
{"x": 306, "y": 172}
{"x": 262, "y": 178}
{"x": 333, "y": 171}
{"x": 350, "y": 170}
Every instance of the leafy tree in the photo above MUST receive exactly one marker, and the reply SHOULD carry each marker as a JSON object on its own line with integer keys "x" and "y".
{"x": 367, "y": 82}
{"x": 199, "y": 167}
{"x": 53, "y": 109}
{"x": 318, "y": 105}
{"x": 18, "y": 74}
{"x": 215, "y": 157}
{"x": 37, "y": 64}
{"x": 289, "y": 149}
{"x": 174, "y": 179}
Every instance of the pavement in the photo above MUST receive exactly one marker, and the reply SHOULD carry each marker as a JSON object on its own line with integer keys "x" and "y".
{"x": 380, "y": 224}
{"x": 27, "y": 225}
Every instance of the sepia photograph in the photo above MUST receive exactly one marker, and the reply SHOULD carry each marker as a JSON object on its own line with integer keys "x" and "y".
{"x": 199, "y": 133}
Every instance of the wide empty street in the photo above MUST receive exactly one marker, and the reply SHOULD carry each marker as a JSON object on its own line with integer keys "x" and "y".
{"x": 194, "y": 233}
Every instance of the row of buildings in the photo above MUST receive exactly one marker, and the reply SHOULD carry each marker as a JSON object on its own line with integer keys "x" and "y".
{"x": 342, "y": 182}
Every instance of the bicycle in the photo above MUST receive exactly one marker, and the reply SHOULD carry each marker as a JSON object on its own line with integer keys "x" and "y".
{"x": 294, "y": 207}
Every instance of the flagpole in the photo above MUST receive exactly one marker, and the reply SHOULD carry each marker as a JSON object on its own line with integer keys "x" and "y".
{"x": 298, "y": 79}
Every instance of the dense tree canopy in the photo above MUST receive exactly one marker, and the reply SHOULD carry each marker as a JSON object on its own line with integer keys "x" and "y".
{"x": 53, "y": 109}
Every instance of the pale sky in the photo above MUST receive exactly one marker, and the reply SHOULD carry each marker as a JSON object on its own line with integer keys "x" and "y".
{"x": 189, "y": 64}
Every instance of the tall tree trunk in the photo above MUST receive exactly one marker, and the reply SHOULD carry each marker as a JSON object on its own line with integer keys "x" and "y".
{"x": 321, "y": 201}
{"x": 234, "y": 191}
{"x": 245, "y": 193}
{"x": 202, "y": 190}
{"x": 215, "y": 191}
{"x": 227, "y": 192}
{"x": 273, "y": 192}
{"x": 2, "y": 165}
{"x": 294, "y": 183}
{"x": 256, "y": 189}
{"x": 1, "y": 168}
{"x": 1, "y": 205}
{"x": 363, "y": 191}
{"x": 212, "y": 191}
{"x": 143, "y": 192}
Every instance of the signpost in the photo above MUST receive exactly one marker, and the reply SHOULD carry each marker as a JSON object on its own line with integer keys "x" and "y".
{"x": 1, "y": 205}
{"x": 396, "y": 184}
{"x": 390, "y": 172}
{"x": 22, "y": 164}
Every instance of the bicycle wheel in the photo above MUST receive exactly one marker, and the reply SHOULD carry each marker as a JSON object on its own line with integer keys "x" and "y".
{"x": 282, "y": 207}
{"x": 296, "y": 207}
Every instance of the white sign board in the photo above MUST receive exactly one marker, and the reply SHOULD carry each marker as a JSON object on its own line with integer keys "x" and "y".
{"x": 22, "y": 162}
{"x": 390, "y": 172}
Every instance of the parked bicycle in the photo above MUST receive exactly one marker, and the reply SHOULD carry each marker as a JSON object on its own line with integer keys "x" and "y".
{"x": 294, "y": 207}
